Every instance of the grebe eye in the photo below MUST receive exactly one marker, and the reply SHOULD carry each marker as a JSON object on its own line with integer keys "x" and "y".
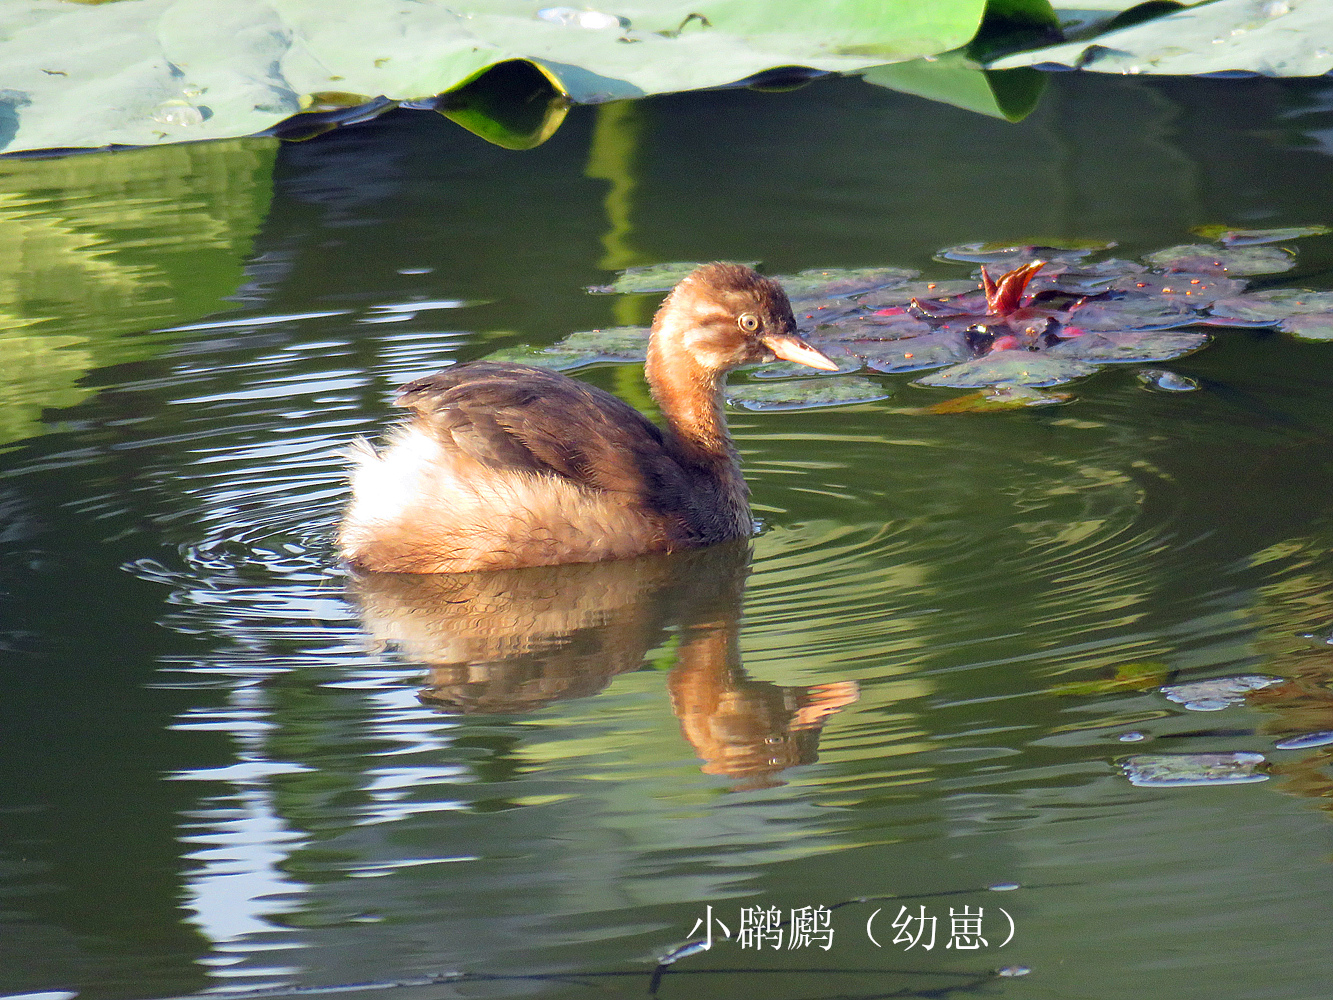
{"x": 748, "y": 322}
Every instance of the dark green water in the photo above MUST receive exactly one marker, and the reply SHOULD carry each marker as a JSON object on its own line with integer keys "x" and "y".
{"x": 225, "y": 769}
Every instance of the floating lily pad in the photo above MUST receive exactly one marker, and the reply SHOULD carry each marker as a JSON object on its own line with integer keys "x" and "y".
{"x": 1278, "y": 38}
{"x": 1200, "y": 258}
{"x": 846, "y": 361}
{"x": 1129, "y": 346}
{"x": 1318, "y": 326}
{"x": 1014, "y": 255}
{"x": 806, "y": 393}
{"x": 1132, "y": 312}
{"x": 1009, "y": 397}
{"x": 840, "y": 282}
{"x": 1249, "y": 237}
{"x": 1272, "y": 305}
{"x": 1161, "y": 380}
{"x": 863, "y": 326}
{"x": 1084, "y": 278}
{"x": 1177, "y": 770}
{"x": 649, "y": 278}
{"x": 811, "y": 314}
{"x": 616, "y": 343}
{"x": 1032, "y": 368}
{"x": 542, "y": 357}
{"x": 1194, "y": 291}
{"x": 901, "y": 295}
{"x": 934, "y": 350}
{"x": 1217, "y": 693}
{"x": 1305, "y": 741}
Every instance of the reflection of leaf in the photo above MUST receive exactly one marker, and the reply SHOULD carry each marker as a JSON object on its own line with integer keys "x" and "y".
{"x": 142, "y": 245}
{"x": 1230, "y": 237}
{"x": 1012, "y": 397}
{"x": 1128, "y": 677}
{"x": 806, "y": 393}
{"x": 1129, "y": 346}
{"x": 1272, "y": 39}
{"x": 1032, "y": 368}
{"x": 955, "y": 79}
{"x": 1203, "y": 259}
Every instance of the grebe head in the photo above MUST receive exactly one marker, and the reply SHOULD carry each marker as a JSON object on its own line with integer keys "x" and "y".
{"x": 725, "y": 315}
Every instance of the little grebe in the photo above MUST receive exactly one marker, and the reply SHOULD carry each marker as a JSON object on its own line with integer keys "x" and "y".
{"x": 504, "y": 465}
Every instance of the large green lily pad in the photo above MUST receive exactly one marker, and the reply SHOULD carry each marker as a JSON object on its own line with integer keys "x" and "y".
{"x": 1278, "y": 38}
{"x": 152, "y": 71}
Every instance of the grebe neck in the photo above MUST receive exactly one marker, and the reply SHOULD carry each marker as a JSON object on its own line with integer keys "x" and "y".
{"x": 690, "y": 398}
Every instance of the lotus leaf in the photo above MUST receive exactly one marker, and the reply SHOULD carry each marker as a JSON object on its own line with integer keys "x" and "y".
{"x": 1317, "y": 326}
{"x": 842, "y": 282}
{"x": 1272, "y": 305}
{"x": 1129, "y": 346}
{"x": 1174, "y": 770}
{"x": 1287, "y": 38}
{"x": 1199, "y": 258}
{"x": 1249, "y": 237}
{"x": 153, "y": 71}
{"x": 1004, "y": 368}
{"x": 806, "y": 393}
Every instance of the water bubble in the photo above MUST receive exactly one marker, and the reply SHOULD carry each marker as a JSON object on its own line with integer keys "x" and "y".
{"x": 1004, "y": 887}
{"x": 1131, "y": 737}
{"x": 1162, "y": 380}
{"x": 415, "y": 270}
{"x": 592, "y": 20}
{"x": 1013, "y": 971}
{"x": 1306, "y": 741}
{"x": 176, "y": 112}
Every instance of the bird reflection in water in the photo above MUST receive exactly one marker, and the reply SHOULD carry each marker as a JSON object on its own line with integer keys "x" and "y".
{"x": 513, "y": 641}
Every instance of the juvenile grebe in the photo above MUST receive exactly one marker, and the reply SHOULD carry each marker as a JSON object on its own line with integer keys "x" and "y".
{"x": 504, "y": 465}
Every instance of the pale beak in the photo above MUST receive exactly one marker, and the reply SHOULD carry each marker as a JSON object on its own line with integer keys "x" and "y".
{"x": 790, "y": 348}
